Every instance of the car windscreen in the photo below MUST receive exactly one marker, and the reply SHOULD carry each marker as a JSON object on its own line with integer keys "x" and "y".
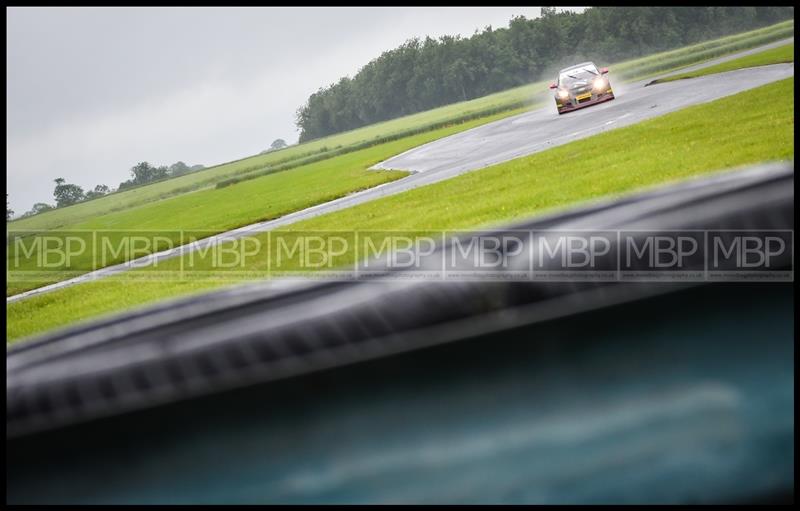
{"x": 579, "y": 74}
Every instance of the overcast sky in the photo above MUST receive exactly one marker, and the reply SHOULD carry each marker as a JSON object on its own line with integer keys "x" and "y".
{"x": 93, "y": 91}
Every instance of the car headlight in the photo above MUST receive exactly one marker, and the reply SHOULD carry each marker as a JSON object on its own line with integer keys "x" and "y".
{"x": 599, "y": 83}
{"x": 563, "y": 94}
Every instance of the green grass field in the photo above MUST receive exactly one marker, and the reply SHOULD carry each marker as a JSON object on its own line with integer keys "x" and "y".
{"x": 678, "y": 145}
{"x": 779, "y": 55}
{"x": 673, "y": 60}
{"x": 510, "y": 101}
{"x": 215, "y": 210}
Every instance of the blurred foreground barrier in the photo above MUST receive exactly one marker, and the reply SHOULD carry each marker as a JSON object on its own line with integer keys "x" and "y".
{"x": 456, "y": 391}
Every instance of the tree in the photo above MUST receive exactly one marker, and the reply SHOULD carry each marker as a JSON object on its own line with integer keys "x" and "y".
{"x": 98, "y": 191}
{"x": 142, "y": 173}
{"x": 160, "y": 172}
{"x": 9, "y": 211}
{"x": 278, "y": 143}
{"x": 178, "y": 168}
{"x": 548, "y": 11}
{"x": 67, "y": 194}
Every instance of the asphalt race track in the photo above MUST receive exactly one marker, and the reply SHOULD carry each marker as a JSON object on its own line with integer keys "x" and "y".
{"x": 501, "y": 141}
{"x": 541, "y": 129}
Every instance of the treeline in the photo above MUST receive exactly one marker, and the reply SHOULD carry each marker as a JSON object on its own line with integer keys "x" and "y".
{"x": 424, "y": 74}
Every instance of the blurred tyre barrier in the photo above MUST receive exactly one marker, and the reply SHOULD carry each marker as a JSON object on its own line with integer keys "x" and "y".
{"x": 627, "y": 380}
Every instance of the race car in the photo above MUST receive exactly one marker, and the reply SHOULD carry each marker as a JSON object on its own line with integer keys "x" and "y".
{"x": 581, "y": 85}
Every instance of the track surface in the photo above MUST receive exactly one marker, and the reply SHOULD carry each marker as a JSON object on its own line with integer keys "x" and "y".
{"x": 541, "y": 129}
{"x": 497, "y": 142}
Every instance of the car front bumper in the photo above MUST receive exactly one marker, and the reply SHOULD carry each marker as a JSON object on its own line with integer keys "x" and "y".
{"x": 582, "y": 100}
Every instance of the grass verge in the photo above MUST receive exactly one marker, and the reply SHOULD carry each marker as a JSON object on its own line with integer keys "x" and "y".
{"x": 646, "y": 67}
{"x": 736, "y": 130}
{"x": 780, "y": 55}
